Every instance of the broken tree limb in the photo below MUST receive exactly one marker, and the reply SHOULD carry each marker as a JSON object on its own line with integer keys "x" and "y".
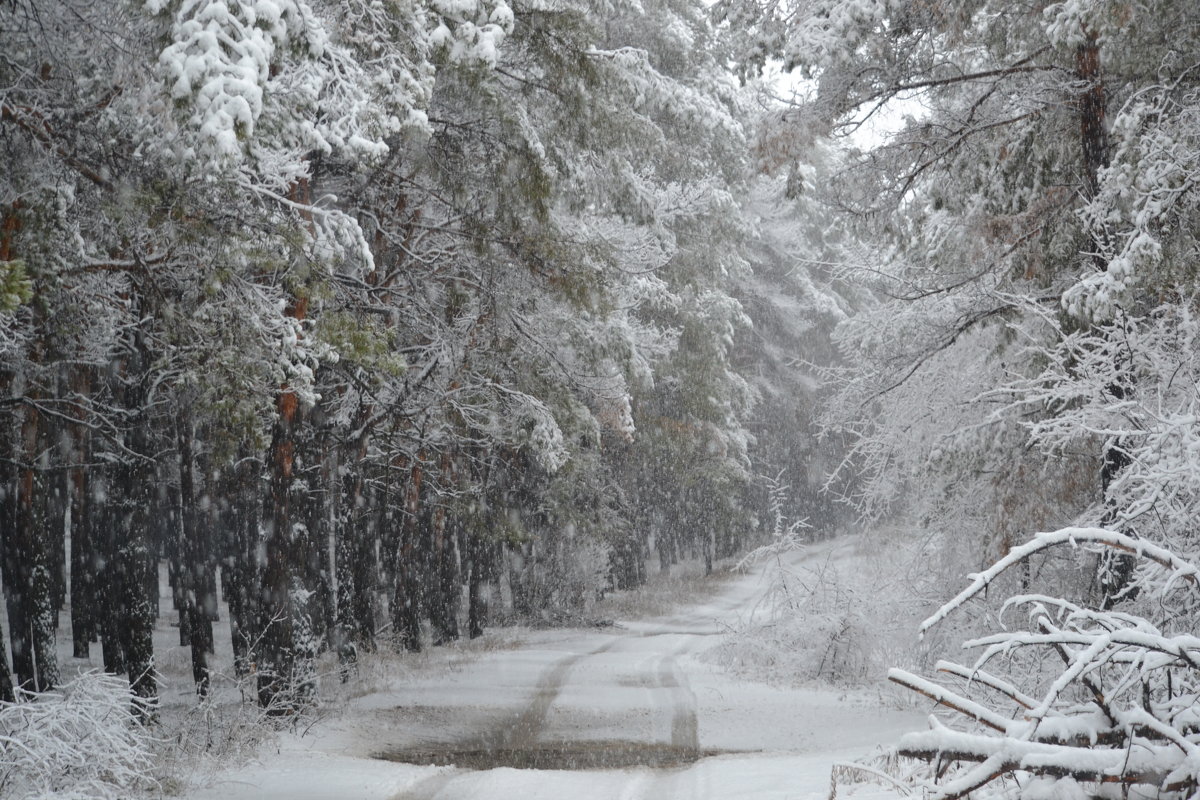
{"x": 949, "y": 699}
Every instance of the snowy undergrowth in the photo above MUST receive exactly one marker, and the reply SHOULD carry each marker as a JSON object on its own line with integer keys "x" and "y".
{"x": 1061, "y": 699}
{"x": 666, "y": 591}
{"x": 194, "y": 740}
{"x": 844, "y": 611}
{"x": 78, "y": 741}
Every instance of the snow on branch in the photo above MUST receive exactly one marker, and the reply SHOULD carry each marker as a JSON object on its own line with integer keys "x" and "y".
{"x": 1074, "y": 537}
{"x": 79, "y": 741}
{"x": 1080, "y": 700}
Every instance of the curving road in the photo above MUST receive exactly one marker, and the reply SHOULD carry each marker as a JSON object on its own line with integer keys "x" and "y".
{"x": 630, "y": 712}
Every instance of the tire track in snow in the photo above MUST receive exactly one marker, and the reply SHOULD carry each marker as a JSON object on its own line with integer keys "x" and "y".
{"x": 662, "y": 677}
{"x": 685, "y": 726}
{"x": 519, "y": 733}
{"x": 524, "y": 731}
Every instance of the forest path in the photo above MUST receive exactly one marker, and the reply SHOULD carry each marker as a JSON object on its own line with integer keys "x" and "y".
{"x": 628, "y": 713}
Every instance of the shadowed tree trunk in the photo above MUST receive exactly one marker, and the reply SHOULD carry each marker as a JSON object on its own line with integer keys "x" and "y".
{"x": 478, "y": 556}
{"x": 355, "y": 558}
{"x": 1116, "y": 569}
{"x": 85, "y": 601}
{"x": 29, "y": 554}
{"x": 132, "y": 502}
{"x": 286, "y": 676}
{"x": 377, "y": 515}
{"x": 442, "y": 579}
{"x": 406, "y": 604}
{"x": 109, "y": 576}
{"x": 7, "y": 695}
{"x": 11, "y": 543}
{"x": 239, "y": 570}
{"x": 194, "y": 562}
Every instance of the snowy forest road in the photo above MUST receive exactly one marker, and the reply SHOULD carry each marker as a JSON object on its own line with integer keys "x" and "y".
{"x": 629, "y": 712}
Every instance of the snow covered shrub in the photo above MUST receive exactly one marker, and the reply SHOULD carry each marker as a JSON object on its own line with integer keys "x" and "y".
{"x": 840, "y": 611}
{"x": 1075, "y": 703}
{"x": 556, "y": 585}
{"x": 78, "y": 741}
{"x": 225, "y": 728}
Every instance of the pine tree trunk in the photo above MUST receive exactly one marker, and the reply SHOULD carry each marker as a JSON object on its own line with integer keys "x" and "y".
{"x": 35, "y": 570}
{"x": 286, "y": 668}
{"x": 15, "y": 582}
{"x": 355, "y": 557}
{"x": 109, "y": 576}
{"x": 194, "y": 572}
{"x": 1093, "y": 131}
{"x": 7, "y": 695}
{"x": 443, "y": 578}
{"x": 406, "y": 604}
{"x": 478, "y": 562}
{"x": 365, "y": 570}
{"x": 277, "y": 624}
{"x": 1116, "y": 569}
{"x": 84, "y": 600}
{"x": 239, "y": 574}
{"x": 84, "y": 597}
{"x": 132, "y": 509}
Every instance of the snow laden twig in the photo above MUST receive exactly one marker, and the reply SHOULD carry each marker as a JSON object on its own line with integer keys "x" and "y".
{"x": 82, "y": 740}
{"x": 1092, "y": 698}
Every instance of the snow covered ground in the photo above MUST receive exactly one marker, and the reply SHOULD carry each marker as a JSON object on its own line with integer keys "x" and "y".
{"x": 626, "y": 712}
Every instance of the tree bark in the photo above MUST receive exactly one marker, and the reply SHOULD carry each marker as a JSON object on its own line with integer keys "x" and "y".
{"x": 7, "y": 695}
{"x": 479, "y": 563}
{"x": 406, "y": 603}
{"x": 84, "y": 598}
{"x": 194, "y": 563}
{"x": 239, "y": 572}
{"x": 1116, "y": 569}
{"x": 28, "y": 557}
{"x": 286, "y": 672}
{"x": 1093, "y": 131}
{"x": 133, "y": 504}
{"x": 442, "y": 579}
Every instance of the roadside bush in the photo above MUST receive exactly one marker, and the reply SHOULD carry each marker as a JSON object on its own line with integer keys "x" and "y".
{"x": 78, "y": 741}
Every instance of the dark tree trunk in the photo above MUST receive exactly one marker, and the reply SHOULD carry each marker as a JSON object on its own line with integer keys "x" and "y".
{"x": 1116, "y": 569}
{"x": 443, "y": 577}
{"x": 85, "y": 601}
{"x": 406, "y": 600}
{"x": 132, "y": 502}
{"x": 175, "y": 567}
{"x": 195, "y": 564}
{"x": 286, "y": 666}
{"x": 20, "y": 642}
{"x": 1092, "y": 111}
{"x": 406, "y": 597}
{"x": 109, "y": 576}
{"x": 355, "y": 557}
{"x": 137, "y": 565}
{"x": 364, "y": 568}
{"x": 57, "y": 503}
{"x": 239, "y": 572}
{"x": 84, "y": 598}
{"x": 30, "y": 558}
{"x": 7, "y": 695}
{"x": 276, "y": 663}
{"x": 478, "y": 556}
